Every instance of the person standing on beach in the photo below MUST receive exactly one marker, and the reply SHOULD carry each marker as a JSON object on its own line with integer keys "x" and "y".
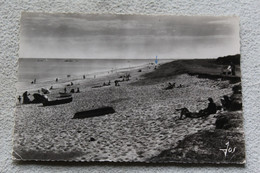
{"x": 229, "y": 70}
{"x": 19, "y": 99}
{"x": 26, "y": 99}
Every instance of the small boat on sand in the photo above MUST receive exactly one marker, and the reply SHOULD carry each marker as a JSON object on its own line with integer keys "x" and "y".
{"x": 98, "y": 86}
{"x": 57, "y": 102}
{"x": 94, "y": 113}
{"x": 64, "y": 94}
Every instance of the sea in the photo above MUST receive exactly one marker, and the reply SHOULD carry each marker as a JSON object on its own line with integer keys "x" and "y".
{"x": 49, "y": 69}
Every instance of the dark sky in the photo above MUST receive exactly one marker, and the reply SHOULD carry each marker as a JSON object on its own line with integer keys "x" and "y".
{"x": 127, "y": 36}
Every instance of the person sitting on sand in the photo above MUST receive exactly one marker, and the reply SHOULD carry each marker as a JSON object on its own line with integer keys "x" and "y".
{"x": 65, "y": 90}
{"x": 237, "y": 89}
{"x": 116, "y": 83}
{"x": 180, "y": 86}
{"x": 226, "y": 102}
{"x": 51, "y": 87}
{"x": 170, "y": 86}
{"x": 104, "y": 84}
{"x": 72, "y": 91}
{"x": 45, "y": 91}
{"x": 26, "y": 99}
{"x": 77, "y": 90}
{"x": 211, "y": 109}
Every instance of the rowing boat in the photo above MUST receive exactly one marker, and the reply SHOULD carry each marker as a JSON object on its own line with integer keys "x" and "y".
{"x": 57, "y": 102}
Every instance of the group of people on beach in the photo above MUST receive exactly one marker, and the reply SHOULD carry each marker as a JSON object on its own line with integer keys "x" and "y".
{"x": 211, "y": 109}
{"x": 72, "y": 90}
{"x": 125, "y": 77}
{"x": 24, "y": 99}
{"x": 227, "y": 103}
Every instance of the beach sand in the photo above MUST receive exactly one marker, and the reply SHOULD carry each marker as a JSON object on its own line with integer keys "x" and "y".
{"x": 144, "y": 124}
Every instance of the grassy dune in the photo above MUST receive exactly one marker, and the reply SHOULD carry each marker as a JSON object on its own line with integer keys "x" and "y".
{"x": 203, "y": 146}
{"x": 206, "y": 68}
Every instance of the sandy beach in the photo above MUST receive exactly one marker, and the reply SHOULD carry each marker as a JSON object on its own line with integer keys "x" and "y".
{"x": 145, "y": 122}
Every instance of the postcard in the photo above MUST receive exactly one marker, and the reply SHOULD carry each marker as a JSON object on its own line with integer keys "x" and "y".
{"x": 129, "y": 88}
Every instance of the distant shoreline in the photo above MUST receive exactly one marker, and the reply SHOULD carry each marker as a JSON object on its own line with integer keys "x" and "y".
{"x": 47, "y": 69}
{"x": 63, "y": 80}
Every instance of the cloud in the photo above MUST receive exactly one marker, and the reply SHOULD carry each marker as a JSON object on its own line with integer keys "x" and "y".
{"x": 101, "y": 36}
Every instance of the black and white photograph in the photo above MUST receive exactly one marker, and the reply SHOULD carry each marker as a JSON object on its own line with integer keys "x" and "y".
{"x": 129, "y": 88}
